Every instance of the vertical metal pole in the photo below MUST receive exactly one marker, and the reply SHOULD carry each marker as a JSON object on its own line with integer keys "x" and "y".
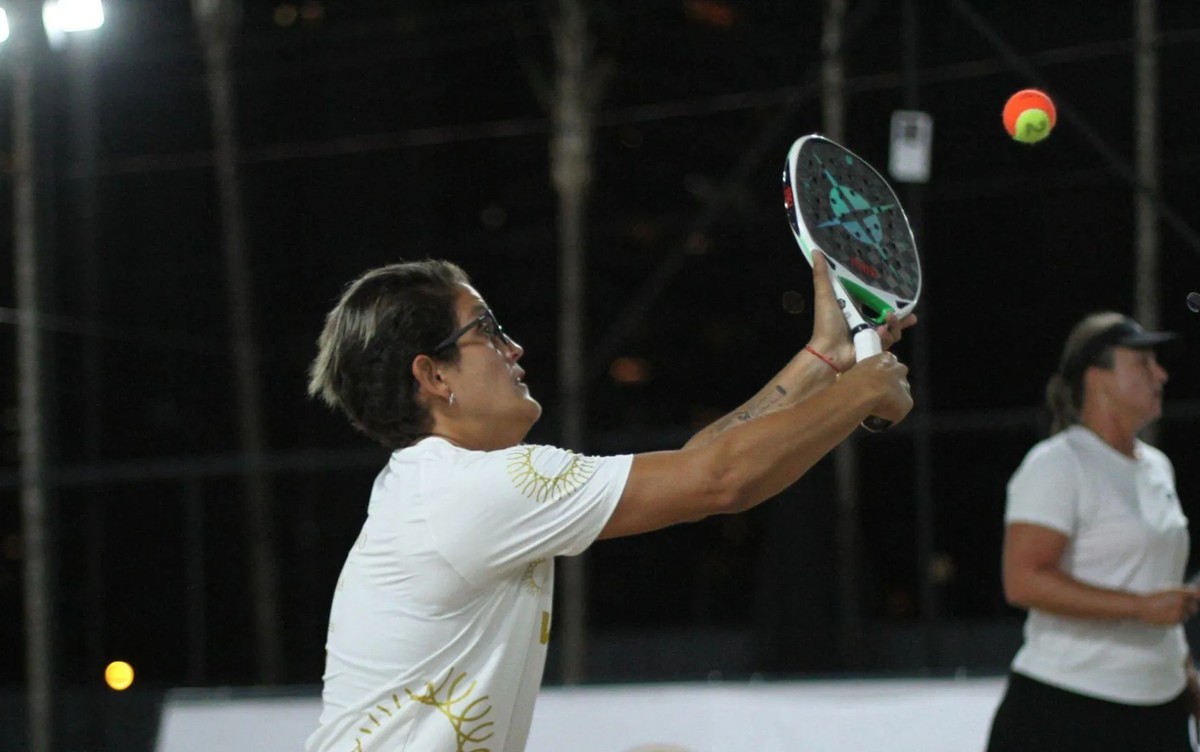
{"x": 217, "y": 20}
{"x": 1145, "y": 134}
{"x": 31, "y": 418}
{"x": 82, "y": 91}
{"x": 571, "y": 154}
{"x": 930, "y": 608}
{"x": 1146, "y": 173}
{"x": 833, "y": 70}
{"x": 197, "y": 618}
{"x": 851, "y": 636}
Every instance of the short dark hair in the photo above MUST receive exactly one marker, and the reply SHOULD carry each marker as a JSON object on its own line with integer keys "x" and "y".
{"x": 384, "y": 319}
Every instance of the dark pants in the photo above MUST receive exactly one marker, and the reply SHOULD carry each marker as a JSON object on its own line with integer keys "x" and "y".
{"x": 1034, "y": 716}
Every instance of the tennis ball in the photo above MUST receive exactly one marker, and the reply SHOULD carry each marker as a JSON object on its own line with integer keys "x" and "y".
{"x": 1029, "y": 116}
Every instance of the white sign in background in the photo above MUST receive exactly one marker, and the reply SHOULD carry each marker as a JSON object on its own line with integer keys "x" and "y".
{"x": 931, "y": 715}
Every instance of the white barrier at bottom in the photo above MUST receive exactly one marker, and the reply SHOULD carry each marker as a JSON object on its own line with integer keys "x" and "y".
{"x": 931, "y": 715}
{"x": 821, "y": 716}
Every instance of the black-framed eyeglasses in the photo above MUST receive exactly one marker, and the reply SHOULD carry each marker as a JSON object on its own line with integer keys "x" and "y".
{"x": 486, "y": 323}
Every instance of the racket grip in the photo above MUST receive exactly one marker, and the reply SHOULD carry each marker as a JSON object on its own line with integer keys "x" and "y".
{"x": 866, "y": 344}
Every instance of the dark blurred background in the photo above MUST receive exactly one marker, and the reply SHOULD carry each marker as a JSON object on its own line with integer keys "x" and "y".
{"x": 372, "y": 131}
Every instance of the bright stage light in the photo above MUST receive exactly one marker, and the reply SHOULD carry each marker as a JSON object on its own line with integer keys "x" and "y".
{"x": 67, "y": 16}
{"x": 118, "y": 675}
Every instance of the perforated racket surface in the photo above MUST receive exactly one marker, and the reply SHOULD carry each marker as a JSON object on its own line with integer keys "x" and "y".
{"x": 839, "y": 204}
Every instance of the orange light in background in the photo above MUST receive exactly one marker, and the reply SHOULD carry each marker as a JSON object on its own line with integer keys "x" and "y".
{"x": 312, "y": 11}
{"x": 644, "y": 232}
{"x": 626, "y": 370}
{"x": 12, "y": 547}
{"x": 711, "y": 12}
{"x": 118, "y": 675}
{"x": 286, "y": 14}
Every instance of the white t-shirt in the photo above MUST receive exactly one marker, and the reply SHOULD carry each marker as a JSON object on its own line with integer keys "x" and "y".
{"x": 441, "y": 616}
{"x": 1127, "y": 532}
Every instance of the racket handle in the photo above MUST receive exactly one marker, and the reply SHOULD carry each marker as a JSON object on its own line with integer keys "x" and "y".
{"x": 866, "y": 344}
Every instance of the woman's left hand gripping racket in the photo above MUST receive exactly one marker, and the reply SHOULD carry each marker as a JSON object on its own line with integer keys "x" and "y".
{"x": 838, "y": 204}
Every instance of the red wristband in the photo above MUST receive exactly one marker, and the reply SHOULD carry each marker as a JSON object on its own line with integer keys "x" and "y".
{"x": 824, "y": 359}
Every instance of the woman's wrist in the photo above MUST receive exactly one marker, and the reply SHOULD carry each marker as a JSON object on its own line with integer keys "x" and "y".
{"x": 823, "y": 356}
{"x": 839, "y": 356}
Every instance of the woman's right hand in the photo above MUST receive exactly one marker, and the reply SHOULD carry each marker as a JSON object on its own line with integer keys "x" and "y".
{"x": 885, "y": 380}
{"x": 1168, "y": 607}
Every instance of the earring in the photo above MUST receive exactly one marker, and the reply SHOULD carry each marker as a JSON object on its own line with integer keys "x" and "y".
{"x": 451, "y": 400}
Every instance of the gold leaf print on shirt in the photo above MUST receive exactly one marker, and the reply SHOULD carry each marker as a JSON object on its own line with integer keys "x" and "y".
{"x": 542, "y": 488}
{"x": 468, "y": 723}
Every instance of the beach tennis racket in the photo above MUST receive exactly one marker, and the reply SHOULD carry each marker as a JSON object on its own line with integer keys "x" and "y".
{"x": 838, "y": 204}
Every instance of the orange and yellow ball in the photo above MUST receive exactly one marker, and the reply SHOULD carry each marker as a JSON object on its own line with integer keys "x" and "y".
{"x": 1029, "y": 116}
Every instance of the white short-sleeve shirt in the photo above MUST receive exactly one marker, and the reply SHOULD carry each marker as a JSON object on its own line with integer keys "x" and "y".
{"x": 441, "y": 616}
{"x": 1126, "y": 531}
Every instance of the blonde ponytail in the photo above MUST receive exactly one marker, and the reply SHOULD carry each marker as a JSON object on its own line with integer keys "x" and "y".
{"x": 1062, "y": 403}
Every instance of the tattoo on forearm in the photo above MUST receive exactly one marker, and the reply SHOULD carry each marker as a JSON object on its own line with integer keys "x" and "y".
{"x": 769, "y": 401}
{"x": 752, "y": 410}
{"x": 724, "y": 423}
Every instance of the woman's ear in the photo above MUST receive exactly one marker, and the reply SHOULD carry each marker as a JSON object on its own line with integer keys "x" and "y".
{"x": 428, "y": 374}
{"x": 1095, "y": 381}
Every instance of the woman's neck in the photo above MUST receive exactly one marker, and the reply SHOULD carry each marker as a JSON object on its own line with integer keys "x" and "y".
{"x": 1112, "y": 432}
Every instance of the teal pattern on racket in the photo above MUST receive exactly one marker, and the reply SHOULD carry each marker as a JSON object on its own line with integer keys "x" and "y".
{"x": 850, "y": 212}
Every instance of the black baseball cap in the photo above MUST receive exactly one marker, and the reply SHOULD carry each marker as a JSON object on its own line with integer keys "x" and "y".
{"x": 1124, "y": 332}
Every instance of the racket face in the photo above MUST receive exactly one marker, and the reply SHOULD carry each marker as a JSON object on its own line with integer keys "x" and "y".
{"x": 840, "y": 204}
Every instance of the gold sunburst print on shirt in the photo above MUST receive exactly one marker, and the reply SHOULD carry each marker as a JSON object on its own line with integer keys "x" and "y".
{"x": 467, "y": 716}
{"x": 543, "y": 485}
{"x": 451, "y": 698}
{"x": 533, "y": 579}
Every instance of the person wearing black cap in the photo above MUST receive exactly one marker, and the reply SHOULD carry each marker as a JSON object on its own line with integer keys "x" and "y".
{"x": 1095, "y": 547}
